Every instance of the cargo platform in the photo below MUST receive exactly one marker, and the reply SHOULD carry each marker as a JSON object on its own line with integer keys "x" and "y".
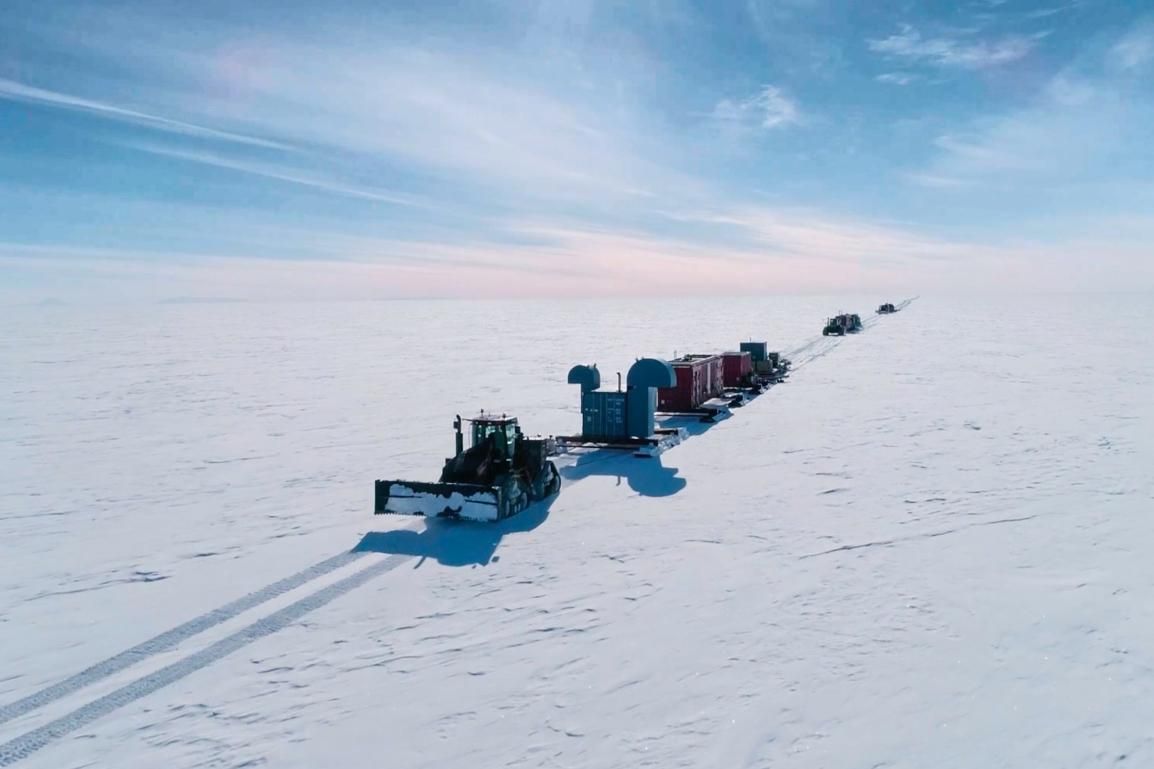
{"x": 663, "y": 438}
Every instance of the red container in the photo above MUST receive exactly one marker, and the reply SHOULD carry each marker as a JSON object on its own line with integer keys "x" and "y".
{"x": 737, "y": 368}
{"x": 699, "y": 378}
{"x": 716, "y": 385}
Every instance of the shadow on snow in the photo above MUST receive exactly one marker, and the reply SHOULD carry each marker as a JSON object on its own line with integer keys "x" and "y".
{"x": 466, "y": 543}
{"x": 455, "y": 543}
{"x": 645, "y": 475}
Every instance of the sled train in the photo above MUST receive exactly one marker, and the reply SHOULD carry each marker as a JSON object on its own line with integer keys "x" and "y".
{"x": 502, "y": 471}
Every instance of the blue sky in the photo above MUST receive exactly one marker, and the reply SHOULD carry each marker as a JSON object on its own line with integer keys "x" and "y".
{"x": 498, "y": 148}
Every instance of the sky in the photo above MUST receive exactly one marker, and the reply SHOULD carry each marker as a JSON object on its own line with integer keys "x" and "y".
{"x": 494, "y": 148}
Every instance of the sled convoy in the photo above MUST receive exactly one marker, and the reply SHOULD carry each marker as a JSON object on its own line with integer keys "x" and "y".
{"x": 503, "y": 471}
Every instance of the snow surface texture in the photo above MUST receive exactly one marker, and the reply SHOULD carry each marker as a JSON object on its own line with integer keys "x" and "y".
{"x": 930, "y": 548}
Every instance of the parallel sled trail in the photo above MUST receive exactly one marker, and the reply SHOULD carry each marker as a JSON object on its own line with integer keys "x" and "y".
{"x": 171, "y": 638}
{"x": 30, "y": 742}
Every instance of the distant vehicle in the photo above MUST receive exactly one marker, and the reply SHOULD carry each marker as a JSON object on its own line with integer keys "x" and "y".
{"x": 840, "y": 325}
{"x": 886, "y": 309}
{"x": 499, "y": 475}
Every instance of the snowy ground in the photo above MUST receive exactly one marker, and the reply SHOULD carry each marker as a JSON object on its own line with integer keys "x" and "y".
{"x": 929, "y": 549}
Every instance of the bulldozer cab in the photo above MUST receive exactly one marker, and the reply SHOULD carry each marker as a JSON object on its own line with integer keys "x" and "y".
{"x": 504, "y": 432}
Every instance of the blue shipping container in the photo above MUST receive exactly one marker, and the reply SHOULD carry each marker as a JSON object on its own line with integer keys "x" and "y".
{"x": 603, "y": 415}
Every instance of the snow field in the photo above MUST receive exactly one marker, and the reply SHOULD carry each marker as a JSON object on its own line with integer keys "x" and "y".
{"x": 927, "y": 549}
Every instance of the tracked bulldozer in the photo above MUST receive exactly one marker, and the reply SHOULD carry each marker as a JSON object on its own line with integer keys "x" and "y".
{"x": 499, "y": 475}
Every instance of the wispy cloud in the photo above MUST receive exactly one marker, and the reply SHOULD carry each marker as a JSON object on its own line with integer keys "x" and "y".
{"x": 794, "y": 249}
{"x": 769, "y": 108}
{"x": 1045, "y": 13}
{"x": 12, "y": 90}
{"x": 1085, "y": 123}
{"x": 1135, "y": 50}
{"x": 480, "y": 119}
{"x": 909, "y": 44}
{"x": 898, "y": 78}
{"x": 817, "y": 235}
{"x": 486, "y": 118}
{"x": 935, "y": 181}
{"x": 793, "y": 46}
{"x": 979, "y": 152}
{"x": 803, "y": 249}
{"x": 282, "y": 173}
{"x": 867, "y": 253}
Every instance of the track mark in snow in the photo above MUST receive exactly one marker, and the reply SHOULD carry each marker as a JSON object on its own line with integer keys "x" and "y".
{"x": 232, "y": 460}
{"x": 927, "y": 535}
{"x": 56, "y": 514}
{"x": 860, "y": 546}
{"x": 27, "y": 744}
{"x": 566, "y": 732}
{"x": 171, "y": 638}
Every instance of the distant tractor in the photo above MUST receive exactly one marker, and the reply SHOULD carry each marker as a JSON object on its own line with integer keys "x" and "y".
{"x": 840, "y": 325}
{"x": 887, "y": 309}
{"x": 499, "y": 475}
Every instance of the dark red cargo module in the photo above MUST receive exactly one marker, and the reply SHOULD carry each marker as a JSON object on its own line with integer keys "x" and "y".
{"x": 738, "y": 368}
{"x": 699, "y": 378}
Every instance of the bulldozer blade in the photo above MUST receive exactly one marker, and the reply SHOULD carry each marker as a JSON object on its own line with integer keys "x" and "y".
{"x": 463, "y": 501}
